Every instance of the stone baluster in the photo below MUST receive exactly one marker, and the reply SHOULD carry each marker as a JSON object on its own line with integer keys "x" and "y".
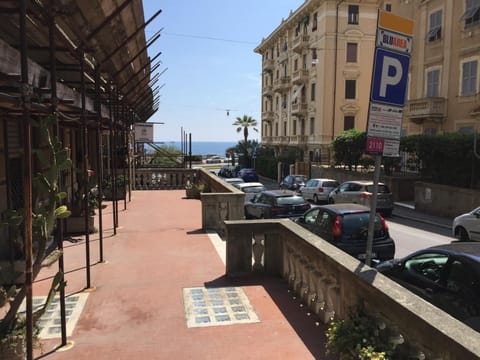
{"x": 330, "y": 296}
{"x": 258, "y": 249}
{"x": 317, "y": 300}
{"x": 308, "y": 286}
{"x": 303, "y": 284}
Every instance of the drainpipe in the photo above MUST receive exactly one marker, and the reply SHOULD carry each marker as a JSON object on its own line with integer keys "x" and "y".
{"x": 335, "y": 70}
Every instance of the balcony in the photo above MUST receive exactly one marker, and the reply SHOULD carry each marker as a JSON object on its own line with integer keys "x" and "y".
{"x": 268, "y": 64}
{"x": 299, "y": 108}
{"x": 432, "y": 109}
{"x": 298, "y": 140}
{"x": 300, "y": 76}
{"x": 282, "y": 83}
{"x": 267, "y": 140}
{"x": 267, "y": 90}
{"x": 283, "y": 56}
{"x": 284, "y": 140}
{"x": 300, "y": 43}
{"x": 267, "y": 115}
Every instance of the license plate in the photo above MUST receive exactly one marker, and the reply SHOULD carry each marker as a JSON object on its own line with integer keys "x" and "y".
{"x": 364, "y": 256}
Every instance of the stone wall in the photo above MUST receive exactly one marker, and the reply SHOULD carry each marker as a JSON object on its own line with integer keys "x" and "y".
{"x": 442, "y": 200}
{"x": 329, "y": 281}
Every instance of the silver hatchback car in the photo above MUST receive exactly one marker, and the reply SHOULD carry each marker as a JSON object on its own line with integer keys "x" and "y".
{"x": 360, "y": 192}
{"x": 318, "y": 190}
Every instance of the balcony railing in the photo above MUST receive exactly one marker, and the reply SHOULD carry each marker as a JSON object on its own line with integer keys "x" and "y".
{"x": 282, "y": 83}
{"x": 268, "y": 64}
{"x": 432, "y": 108}
{"x": 267, "y": 90}
{"x": 267, "y": 140}
{"x": 300, "y": 43}
{"x": 282, "y": 57}
{"x": 300, "y": 76}
{"x": 299, "y": 108}
{"x": 267, "y": 115}
{"x": 284, "y": 140}
{"x": 329, "y": 282}
{"x": 298, "y": 140}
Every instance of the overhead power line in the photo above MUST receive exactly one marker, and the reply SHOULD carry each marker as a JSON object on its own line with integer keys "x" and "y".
{"x": 210, "y": 38}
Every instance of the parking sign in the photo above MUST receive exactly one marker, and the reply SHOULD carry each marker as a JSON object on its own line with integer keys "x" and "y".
{"x": 390, "y": 76}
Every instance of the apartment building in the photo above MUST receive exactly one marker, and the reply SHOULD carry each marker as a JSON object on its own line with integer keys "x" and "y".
{"x": 443, "y": 94}
{"x": 317, "y": 69}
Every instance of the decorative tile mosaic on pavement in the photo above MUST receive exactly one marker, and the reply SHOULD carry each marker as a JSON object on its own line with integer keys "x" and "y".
{"x": 217, "y": 306}
{"x": 50, "y": 323}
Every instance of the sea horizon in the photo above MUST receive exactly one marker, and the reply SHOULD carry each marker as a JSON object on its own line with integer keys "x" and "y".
{"x": 204, "y": 147}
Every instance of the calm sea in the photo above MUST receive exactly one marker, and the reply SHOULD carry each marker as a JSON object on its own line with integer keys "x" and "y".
{"x": 205, "y": 147}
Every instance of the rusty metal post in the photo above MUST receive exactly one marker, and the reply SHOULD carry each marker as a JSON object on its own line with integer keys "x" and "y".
{"x": 27, "y": 178}
{"x": 54, "y": 103}
{"x": 111, "y": 148}
{"x": 98, "y": 110}
{"x": 125, "y": 141}
{"x": 84, "y": 177}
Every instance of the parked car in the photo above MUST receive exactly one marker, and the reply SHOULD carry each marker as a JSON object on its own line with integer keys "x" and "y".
{"x": 248, "y": 174}
{"x": 448, "y": 276}
{"x": 228, "y": 171}
{"x": 214, "y": 160}
{"x": 346, "y": 227}
{"x": 360, "y": 192}
{"x": 293, "y": 182}
{"x": 234, "y": 181}
{"x": 466, "y": 227}
{"x": 250, "y": 189}
{"x": 275, "y": 204}
{"x": 318, "y": 190}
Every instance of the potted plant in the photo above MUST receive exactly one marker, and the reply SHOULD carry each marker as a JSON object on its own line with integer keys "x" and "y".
{"x": 52, "y": 159}
{"x": 121, "y": 183}
{"x": 194, "y": 189}
{"x": 360, "y": 336}
{"x": 76, "y": 221}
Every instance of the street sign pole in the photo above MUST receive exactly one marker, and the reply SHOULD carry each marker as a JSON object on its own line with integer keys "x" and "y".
{"x": 373, "y": 205}
{"x": 387, "y": 98}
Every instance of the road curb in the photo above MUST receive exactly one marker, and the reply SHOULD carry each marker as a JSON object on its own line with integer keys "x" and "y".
{"x": 418, "y": 217}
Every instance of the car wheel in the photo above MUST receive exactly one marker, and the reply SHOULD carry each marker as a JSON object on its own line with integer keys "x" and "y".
{"x": 331, "y": 201}
{"x": 315, "y": 199}
{"x": 463, "y": 234}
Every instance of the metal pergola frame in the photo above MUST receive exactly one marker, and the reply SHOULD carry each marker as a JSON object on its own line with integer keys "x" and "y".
{"x": 81, "y": 61}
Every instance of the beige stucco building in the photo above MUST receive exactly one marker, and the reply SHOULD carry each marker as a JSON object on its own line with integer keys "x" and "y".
{"x": 443, "y": 94}
{"x": 317, "y": 69}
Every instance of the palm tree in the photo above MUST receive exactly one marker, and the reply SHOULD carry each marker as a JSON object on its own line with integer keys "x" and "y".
{"x": 244, "y": 123}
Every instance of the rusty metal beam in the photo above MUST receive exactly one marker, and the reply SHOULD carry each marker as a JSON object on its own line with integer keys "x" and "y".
{"x": 108, "y": 19}
{"x": 155, "y": 38}
{"x": 107, "y": 57}
{"x": 141, "y": 69}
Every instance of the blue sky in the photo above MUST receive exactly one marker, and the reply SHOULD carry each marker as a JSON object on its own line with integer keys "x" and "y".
{"x": 207, "y": 51}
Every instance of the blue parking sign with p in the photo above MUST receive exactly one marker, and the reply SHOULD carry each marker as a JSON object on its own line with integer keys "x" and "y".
{"x": 390, "y": 76}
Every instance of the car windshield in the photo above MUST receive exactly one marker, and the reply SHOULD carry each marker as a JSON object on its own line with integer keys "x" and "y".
{"x": 290, "y": 200}
{"x": 330, "y": 184}
{"x": 299, "y": 179}
{"x": 355, "y": 224}
{"x": 382, "y": 189}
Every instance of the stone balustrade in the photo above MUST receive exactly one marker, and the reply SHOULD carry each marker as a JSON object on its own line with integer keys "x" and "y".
{"x": 329, "y": 282}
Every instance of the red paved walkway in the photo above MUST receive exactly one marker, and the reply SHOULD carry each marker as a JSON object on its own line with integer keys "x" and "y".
{"x": 135, "y": 309}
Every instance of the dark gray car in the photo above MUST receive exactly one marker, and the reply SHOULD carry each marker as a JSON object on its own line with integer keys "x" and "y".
{"x": 346, "y": 226}
{"x": 448, "y": 276}
{"x": 275, "y": 204}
